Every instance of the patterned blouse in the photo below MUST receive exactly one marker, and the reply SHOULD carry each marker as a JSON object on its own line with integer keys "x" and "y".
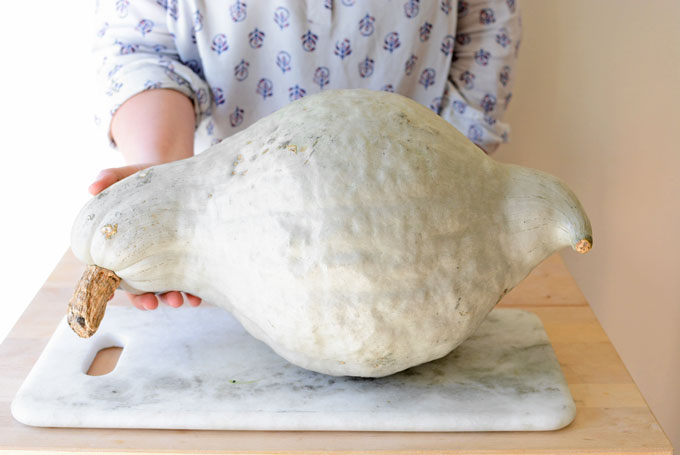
{"x": 241, "y": 60}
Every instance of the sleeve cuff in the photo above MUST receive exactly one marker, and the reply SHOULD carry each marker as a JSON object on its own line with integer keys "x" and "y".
{"x": 482, "y": 129}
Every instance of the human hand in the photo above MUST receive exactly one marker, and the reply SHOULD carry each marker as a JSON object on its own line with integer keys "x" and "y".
{"x": 108, "y": 177}
{"x": 149, "y": 300}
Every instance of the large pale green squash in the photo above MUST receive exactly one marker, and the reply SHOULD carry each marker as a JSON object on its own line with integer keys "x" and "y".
{"x": 355, "y": 232}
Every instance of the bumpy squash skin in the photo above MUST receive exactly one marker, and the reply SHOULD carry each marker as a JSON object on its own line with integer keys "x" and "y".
{"x": 355, "y": 232}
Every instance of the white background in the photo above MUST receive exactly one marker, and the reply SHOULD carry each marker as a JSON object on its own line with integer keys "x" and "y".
{"x": 51, "y": 150}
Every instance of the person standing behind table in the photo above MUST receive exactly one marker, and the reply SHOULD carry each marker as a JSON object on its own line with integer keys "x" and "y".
{"x": 180, "y": 75}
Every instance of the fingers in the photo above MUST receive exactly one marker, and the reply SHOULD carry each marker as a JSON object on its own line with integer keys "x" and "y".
{"x": 193, "y": 300}
{"x": 108, "y": 177}
{"x": 175, "y": 299}
{"x": 172, "y": 298}
{"x": 144, "y": 302}
{"x": 149, "y": 301}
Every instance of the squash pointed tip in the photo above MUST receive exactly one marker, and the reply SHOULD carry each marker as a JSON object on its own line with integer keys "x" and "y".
{"x": 584, "y": 245}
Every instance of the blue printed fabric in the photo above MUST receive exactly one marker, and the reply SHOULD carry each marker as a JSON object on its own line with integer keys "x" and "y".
{"x": 239, "y": 61}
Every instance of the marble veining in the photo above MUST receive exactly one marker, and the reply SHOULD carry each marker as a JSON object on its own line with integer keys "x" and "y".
{"x": 196, "y": 368}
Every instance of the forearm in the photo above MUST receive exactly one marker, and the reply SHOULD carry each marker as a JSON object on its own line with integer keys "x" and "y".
{"x": 155, "y": 126}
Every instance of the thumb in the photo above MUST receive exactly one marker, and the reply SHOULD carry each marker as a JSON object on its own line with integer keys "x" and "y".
{"x": 108, "y": 177}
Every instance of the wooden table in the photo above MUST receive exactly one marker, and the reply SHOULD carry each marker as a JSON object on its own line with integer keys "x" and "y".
{"x": 611, "y": 416}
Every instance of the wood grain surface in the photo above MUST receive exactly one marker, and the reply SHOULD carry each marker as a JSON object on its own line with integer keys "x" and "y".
{"x": 612, "y": 416}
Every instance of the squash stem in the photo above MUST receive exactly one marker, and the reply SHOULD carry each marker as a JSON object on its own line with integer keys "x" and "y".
{"x": 584, "y": 245}
{"x": 88, "y": 304}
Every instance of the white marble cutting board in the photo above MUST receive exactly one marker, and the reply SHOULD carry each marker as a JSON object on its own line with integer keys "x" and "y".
{"x": 196, "y": 368}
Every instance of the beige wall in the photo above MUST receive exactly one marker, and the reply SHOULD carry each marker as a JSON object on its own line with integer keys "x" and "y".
{"x": 597, "y": 102}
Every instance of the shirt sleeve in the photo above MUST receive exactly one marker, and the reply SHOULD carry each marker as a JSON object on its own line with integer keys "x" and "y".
{"x": 135, "y": 51}
{"x": 479, "y": 83}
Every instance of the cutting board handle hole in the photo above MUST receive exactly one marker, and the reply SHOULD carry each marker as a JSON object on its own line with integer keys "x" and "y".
{"x": 105, "y": 361}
